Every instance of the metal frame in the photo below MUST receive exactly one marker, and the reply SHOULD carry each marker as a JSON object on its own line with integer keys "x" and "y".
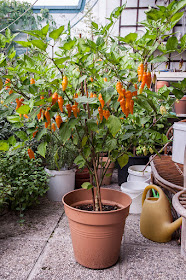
{"x": 62, "y": 9}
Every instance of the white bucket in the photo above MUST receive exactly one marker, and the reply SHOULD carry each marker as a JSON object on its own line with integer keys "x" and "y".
{"x": 61, "y": 182}
{"x": 179, "y": 142}
{"x": 136, "y": 173}
{"x": 148, "y": 180}
{"x": 135, "y": 190}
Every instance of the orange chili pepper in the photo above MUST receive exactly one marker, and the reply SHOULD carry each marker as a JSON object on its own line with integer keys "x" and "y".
{"x": 46, "y": 124}
{"x": 91, "y": 94}
{"x": 54, "y": 98}
{"x": 107, "y": 114}
{"x": 119, "y": 87}
{"x": 94, "y": 95}
{"x": 58, "y": 121}
{"x": 74, "y": 109}
{"x": 11, "y": 91}
{"x": 91, "y": 79}
{"x": 100, "y": 111}
{"x": 53, "y": 127}
{"x": 60, "y": 103}
{"x": 140, "y": 72}
{"x": 39, "y": 114}
{"x": 105, "y": 79}
{"x": 47, "y": 116}
{"x": 101, "y": 100}
{"x": 24, "y": 115}
{"x": 31, "y": 153}
{"x": 32, "y": 81}
{"x": 42, "y": 97}
{"x": 131, "y": 106}
{"x": 64, "y": 83}
{"x": 122, "y": 105}
{"x": 69, "y": 109}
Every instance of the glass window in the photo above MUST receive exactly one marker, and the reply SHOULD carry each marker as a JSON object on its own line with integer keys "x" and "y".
{"x": 58, "y": 6}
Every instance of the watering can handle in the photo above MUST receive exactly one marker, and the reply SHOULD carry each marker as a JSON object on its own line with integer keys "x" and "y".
{"x": 159, "y": 190}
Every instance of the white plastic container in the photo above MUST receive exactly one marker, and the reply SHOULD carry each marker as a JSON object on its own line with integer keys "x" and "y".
{"x": 148, "y": 180}
{"x": 135, "y": 190}
{"x": 136, "y": 173}
{"x": 179, "y": 142}
{"x": 61, "y": 182}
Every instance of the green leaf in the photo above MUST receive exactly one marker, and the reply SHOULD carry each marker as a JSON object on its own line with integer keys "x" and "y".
{"x": 13, "y": 119}
{"x": 80, "y": 161}
{"x": 130, "y": 38}
{"x": 84, "y": 141}
{"x": 159, "y": 59}
{"x": 178, "y": 93}
{"x": 92, "y": 125}
{"x": 44, "y": 30}
{"x": 12, "y": 140}
{"x": 94, "y": 24}
{"x": 69, "y": 45}
{"x": 87, "y": 186}
{"x": 42, "y": 149}
{"x": 100, "y": 41}
{"x": 4, "y": 146}
{"x": 24, "y": 44}
{"x": 24, "y": 109}
{"x": 59, "y": 61}
{"x": 22, "y": 135}
{"x": 114, "y": 125}
{"x": 172, "y": 43}
{"x": 41, "y": 133}
{"x": 123, "y": 160}
{"x": 111, "y": 144}
{"x": 65, "y": 132}
{"x": 39, "y": 44}
{"x": 56, "y": 33}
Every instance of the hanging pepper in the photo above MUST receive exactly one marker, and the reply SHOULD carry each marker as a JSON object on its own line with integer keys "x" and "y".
{"x": 47, "y": 116}
{"x": 107, "y": 114}
{"x": 145, "y": 78}
{"x": 131, "y": 106}
{"x": 32, "y": 81}
{"x": 101, "y": 100}
{"x": 119, "y": 87}
{"x": 60, "y": 103}
{"x": 42, "y": 97}
{"x": 31, "y": 153}
{"x": 64, "y": 83}
{"x": 127, "y": 112}
{"x": 19, "y": 102}
{"x": 39, "y": 114}
{"x": 74, "y": 109}
{"x": 69, "y": 109}
{"x": 53, "y": 127}
{"x": 148, "y": 79}
{"x": 24, "y": 115}
{"x": 140, "y": 72}
{"x": 105, "y": 79}
{"x": 7, "y": 82}
{"x": 122, "y": 105}
{"x": 34, "y": 133}
{"x": 58, "y": 121}
{"x": 11, "y": 91}
{"x": 100, "y": 111}
{"x": 54, "y": 98}
{"x": 94, "y": 95}
{"x": 91, "y": 79}
{"x": 46, "y": 124}
{"x": 76, "y": 96}
{"x": 91, "y": 94}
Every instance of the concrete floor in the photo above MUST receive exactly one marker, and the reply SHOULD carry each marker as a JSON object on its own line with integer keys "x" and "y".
{"x": 41, "y": 249}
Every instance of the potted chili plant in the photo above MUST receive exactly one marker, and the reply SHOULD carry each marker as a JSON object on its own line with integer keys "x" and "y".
{"x": 98, "y": 85}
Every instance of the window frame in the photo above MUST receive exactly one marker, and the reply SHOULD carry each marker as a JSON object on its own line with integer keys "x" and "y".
{"x": 62, "y": 9}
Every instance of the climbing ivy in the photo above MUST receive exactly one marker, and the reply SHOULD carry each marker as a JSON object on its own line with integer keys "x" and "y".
{"x": 11, "y": 10}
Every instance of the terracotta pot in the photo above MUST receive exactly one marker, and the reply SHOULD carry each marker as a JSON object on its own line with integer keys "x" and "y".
{"x": 106, "y": 180}
{"x": 180, "y": 106}
{"x": 81, "y": 176}
{"x": 160, "y": 84}
{"x": 96, "y": 236}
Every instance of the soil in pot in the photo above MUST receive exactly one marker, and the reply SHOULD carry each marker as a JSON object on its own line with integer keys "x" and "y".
{"x": 105, "y": 207}
{"x": 96, "y": 235}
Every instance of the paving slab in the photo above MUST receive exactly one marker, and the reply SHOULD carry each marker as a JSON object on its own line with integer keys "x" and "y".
{"x": 17, "y": 257}
{"x": 58, "y": 262}
{"x": 38, "y": 224}
{"x": 147, "y": 263}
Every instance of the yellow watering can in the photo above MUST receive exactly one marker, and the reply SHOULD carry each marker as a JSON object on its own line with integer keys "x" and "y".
{"x": 156, "y": 218}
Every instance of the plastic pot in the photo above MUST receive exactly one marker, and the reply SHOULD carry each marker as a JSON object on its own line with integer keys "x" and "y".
{"x": 96, "y": 235}
{"x": 60, "y": 183}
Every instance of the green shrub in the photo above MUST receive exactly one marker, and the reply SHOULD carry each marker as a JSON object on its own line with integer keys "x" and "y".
{"x": 22, "y": 180}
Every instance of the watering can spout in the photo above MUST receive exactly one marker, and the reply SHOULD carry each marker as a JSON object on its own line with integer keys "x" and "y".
{"x": 171, "y": 227}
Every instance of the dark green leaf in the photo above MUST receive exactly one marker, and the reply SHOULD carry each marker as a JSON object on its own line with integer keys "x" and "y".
{"x": 113, "y": 124}
{"x": 42, "y": 149}
{"x": 22, "y": 135}
{"x": 55, "y": 34}
{"x": 123, "y": 160}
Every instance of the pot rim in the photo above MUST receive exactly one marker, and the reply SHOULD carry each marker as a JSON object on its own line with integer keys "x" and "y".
{"x": 97, "y": 212}
{"x": 59, "y": 172}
